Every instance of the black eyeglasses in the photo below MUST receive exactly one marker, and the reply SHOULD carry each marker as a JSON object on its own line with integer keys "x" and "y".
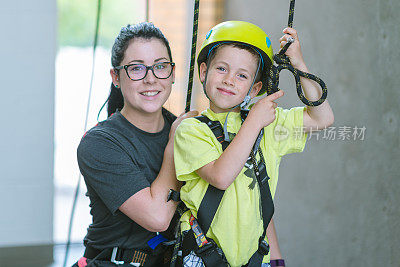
{"x": 136, "y": 72}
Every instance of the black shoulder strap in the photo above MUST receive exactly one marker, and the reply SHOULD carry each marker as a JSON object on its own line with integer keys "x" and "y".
{"x": 213, "y": 196}
{"x": 208, "y": 207}
{"x": 216, "y": 128}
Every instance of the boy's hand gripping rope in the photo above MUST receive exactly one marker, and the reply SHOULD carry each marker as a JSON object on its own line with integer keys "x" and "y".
{"x": 193, "y": 54}
{"x": 283, "y": 62}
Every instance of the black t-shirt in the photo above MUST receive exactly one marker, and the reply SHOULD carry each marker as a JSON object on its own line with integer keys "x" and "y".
{"x": 117, "y": 160}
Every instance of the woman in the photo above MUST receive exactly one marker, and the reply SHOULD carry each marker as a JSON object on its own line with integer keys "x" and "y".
{"x": 127, "y": 160}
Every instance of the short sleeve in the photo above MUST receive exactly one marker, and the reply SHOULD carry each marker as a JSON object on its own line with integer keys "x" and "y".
{"x": 286, "y": 133}
{"x": 109, "y": 170}
{"x": 194, "y": 146}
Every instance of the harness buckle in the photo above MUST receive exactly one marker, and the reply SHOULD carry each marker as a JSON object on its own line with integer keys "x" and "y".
{"x": 245, "y": 102}
{"x": 114, "y": 256}
{"x": 263, "y": 247}
{"x": 205, "y": 248}
{"x": 173, "y": 195}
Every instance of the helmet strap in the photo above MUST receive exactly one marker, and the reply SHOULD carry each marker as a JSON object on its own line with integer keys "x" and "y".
{"x": 205, "y": 78}
{"x": 247, "y": 98}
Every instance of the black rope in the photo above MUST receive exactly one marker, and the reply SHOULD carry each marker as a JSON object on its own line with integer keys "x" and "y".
{"x": 291, "y": 14}
{"x": 283, "y": 62}
{"x": 85, "y": 128}
{"x": 193, "y": 54}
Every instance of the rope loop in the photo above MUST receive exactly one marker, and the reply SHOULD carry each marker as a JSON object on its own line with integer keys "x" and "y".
{"x": 283, "y": 62}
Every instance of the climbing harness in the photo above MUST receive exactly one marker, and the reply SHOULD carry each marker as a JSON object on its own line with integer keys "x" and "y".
{"x": 195, "y": 239}
{"x": 283, "y": 62}
{"x": 193, "y": 54}
{"x": 135, "y": 257}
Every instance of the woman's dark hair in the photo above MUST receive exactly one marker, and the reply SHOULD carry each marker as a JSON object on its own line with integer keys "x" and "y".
{"x": 145, "y": 30}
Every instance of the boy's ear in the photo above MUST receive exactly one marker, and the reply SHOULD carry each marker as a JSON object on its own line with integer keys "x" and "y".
{"x": 203, "y": 72}
{"x": 256, "y": 88}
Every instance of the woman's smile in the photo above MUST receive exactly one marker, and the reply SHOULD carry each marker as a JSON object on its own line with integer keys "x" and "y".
{"x": 150, "y": 94}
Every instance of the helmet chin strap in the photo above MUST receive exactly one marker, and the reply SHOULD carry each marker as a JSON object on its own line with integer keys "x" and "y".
{"x": 243, "y": 105}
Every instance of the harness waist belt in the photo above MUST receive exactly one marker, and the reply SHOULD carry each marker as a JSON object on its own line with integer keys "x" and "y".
{"x": 116, "y": 255}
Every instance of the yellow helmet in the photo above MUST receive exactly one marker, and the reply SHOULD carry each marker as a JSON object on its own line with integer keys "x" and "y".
{"x": 240, "y": 32}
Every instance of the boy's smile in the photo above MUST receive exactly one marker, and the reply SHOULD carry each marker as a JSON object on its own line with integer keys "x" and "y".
{"x": 225, "y": 91}
{"x": 230, "y": 75}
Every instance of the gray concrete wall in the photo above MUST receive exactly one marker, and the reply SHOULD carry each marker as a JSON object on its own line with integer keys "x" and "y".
{"x": 338, "y": 203}
{"x": 27, "y": 68}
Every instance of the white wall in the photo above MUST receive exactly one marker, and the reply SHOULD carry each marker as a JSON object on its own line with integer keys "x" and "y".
{"x": 27, "y": 69}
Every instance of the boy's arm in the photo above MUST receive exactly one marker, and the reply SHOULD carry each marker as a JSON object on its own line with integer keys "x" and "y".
{"x": 222, "y": 172}
{"x": 314, "y": 118}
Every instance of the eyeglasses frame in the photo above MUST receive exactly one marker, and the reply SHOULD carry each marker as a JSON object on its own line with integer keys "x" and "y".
{"x": 147, "y": 69}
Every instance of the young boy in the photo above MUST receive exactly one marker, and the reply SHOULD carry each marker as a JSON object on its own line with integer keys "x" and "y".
{"x": 234, "y": 62}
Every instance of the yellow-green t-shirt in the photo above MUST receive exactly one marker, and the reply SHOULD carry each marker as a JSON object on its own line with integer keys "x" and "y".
{"x": 237, "y": 224}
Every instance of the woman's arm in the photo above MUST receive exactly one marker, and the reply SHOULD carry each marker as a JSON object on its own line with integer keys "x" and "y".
{"x": 149, "y": 207}
{"x": 275, "y": 251}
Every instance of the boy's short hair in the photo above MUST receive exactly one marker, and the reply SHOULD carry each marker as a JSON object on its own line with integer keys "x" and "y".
{"x": 249, "y": 49}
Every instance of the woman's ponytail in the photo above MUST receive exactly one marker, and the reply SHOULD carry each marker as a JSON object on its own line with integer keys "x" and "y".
{"x": 115, "y": 100}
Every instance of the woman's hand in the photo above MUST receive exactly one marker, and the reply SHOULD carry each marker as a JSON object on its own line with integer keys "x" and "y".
{"x": 294, "y": 51}
{"x": 178, "y": 120}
